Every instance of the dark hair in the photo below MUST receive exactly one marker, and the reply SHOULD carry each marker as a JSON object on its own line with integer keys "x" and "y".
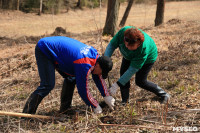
{"x": 106, "y": 65}
{"x": 134, "y": 34}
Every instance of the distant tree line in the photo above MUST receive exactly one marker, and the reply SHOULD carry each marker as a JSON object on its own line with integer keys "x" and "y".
{"x": 56, "y": 6}
{"x": 48, "y": 5}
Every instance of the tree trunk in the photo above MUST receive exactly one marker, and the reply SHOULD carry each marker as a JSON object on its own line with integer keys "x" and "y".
{"x": 12, "y": 5}
{"x": 110, "y": 27}
{"x": 57, "y": 6}
{"x": 1, "y": 4}
{"x": 9, "y": 4}
{"x": 128, "y": 8}
{"x": 40, "y": 12}
{"x": 160, "y": 12}
{"x": 4, "y": 4}
{"x": 18, "y": 5}
{"x": 78, "y": 4}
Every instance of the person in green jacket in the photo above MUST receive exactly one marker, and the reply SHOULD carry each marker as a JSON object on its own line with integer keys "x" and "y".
{"x": 139, "y": 53}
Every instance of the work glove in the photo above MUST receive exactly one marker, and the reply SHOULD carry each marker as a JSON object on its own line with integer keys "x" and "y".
{"x": 98, "y": 110}
{"x": 110, "y": 101}
{"x": 113, "y": 89}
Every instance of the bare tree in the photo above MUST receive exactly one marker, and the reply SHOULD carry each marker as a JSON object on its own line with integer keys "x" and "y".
{"x": 160, "y": 12}
{"x": 126, "y": 13}
{"x": 18, "y": 5}
{"x": 5, "y": 4}
{"x": 9, "y": 4}
{"x": 110, "y": 27}
{"x": 1, "y": 4}
{"x": 78, "y": 4}
{"x": 40, "y": 12}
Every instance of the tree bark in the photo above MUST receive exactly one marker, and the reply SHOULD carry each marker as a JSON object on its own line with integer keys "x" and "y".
{"x": 1, "y": 4}
{"x": 78, "y": 4}
{"x": 160, "y": 12}
{"x": 18, "y": 5}
{"x": 57, "y": 6}
{"x": 124, "y": 18}
{"x": 110, "y": 27}
{"x": 40, "y": 12}
{"x": 4, "y": 4}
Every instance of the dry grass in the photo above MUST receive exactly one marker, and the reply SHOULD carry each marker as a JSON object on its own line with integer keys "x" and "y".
{"x": 177, "y": 71}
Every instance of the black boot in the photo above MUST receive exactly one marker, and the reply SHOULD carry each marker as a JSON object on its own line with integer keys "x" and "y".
{"x": 67, "y": 94}
{"x": 124, "y": 95}
{"x": 32, "y": 104}
{"x": 162, "y": 94}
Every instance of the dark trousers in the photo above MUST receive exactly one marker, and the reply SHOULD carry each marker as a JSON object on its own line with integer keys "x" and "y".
{"x": 46, "y": 69}
{"x": 140, "y": 79}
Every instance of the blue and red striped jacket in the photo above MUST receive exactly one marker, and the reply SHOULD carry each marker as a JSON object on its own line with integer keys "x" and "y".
{"x": 76, "y": 59}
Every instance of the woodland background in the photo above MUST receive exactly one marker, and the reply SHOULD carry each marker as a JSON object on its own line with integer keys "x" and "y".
{"x": 176, "y": 70}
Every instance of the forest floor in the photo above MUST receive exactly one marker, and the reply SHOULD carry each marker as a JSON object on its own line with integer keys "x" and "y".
{"x": 176, "y": 71}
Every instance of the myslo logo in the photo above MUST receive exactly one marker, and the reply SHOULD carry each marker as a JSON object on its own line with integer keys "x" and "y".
{"x": 85, "y": 50}
{"x": 186, "y": 129}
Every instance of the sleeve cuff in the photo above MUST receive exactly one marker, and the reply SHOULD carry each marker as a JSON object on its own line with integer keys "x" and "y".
{"x": 119, "y": 84}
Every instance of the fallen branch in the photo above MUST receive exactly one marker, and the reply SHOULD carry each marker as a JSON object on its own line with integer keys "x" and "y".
{"x": 28, "y": 115}
{"x": 166, "y": 110}
{"x": 135, "y": 126}
{"x": 149, "y": 121}
{"x": 185, "y": 111}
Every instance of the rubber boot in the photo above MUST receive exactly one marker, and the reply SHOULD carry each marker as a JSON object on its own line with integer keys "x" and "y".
{"x": 165, "y": 97}
{"x": 66, "y": 95}
{"x": 124, "y": 95}
{"x": 32, "y": 104}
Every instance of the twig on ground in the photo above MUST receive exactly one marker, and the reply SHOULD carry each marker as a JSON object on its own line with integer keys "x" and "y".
{"x": 166, "y": 109}
{"x": 86, "y": 114}
{"x": 26, "y": 40}
{"x": 162, "y": 113}
{"x": 185, "y": 111}
{"x": 28, "y": 115}
{"x": 148, "y": 121}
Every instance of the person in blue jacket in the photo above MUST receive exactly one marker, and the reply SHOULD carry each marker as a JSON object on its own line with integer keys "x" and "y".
{"x": 75, "y": 61}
